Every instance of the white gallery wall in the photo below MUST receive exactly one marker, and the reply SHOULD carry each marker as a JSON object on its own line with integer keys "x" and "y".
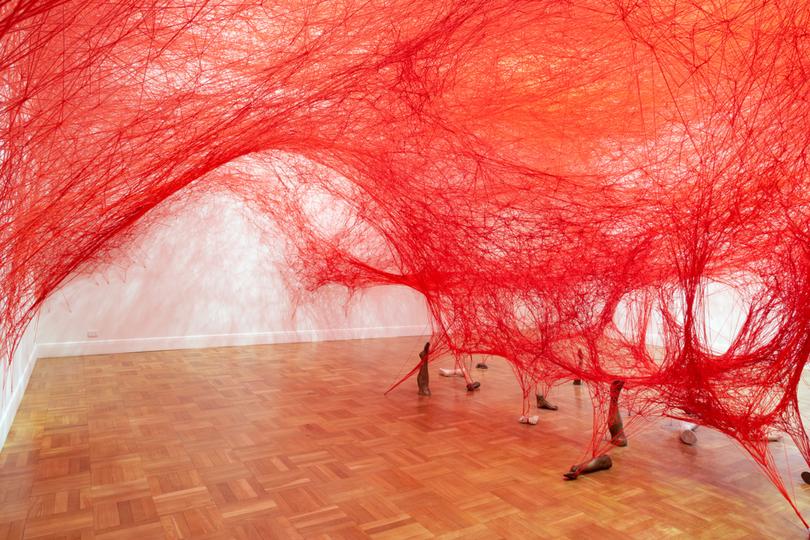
{"x": 200, "y": 277}
{"x": 204, "y": 277}
{"x": 719, "y": 317}
{"x": 14, "y": 379}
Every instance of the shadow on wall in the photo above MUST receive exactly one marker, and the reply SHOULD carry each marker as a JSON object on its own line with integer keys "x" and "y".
{"x": 206, "y": 271}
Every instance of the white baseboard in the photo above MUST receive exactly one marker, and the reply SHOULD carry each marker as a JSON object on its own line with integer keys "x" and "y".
{"x": 10, "y": 408}
{"x": 113, "y": 346}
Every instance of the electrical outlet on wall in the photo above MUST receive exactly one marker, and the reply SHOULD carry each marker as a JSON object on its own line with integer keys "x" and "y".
{"x": 92, "y": 333}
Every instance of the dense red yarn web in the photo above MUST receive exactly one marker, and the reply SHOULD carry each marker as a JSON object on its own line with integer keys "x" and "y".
{"x": 538, "y": 170}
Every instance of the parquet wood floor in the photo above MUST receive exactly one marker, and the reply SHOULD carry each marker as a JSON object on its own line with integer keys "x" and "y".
{"x": 297, "y": 441}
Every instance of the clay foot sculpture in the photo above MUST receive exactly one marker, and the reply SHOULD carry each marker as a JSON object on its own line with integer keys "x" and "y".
{"x": 599, "y": 463}
{"x": 618, "y": 438}
{"x": 616, "y": 426}
{"x": 473, "y": 386}
{"x": 543, "y": 404}
{"x": 481, "y": 365}
{"x": 423, "y": 378}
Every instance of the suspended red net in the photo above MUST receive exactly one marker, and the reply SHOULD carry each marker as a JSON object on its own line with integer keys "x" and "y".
{"x": 551, "y": 176}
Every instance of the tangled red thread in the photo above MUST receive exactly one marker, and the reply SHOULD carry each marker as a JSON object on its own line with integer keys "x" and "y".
{"x": 552, "y": 176}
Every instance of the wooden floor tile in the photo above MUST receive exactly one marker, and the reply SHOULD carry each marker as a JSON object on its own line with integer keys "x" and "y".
{"x": 298, "y": 441}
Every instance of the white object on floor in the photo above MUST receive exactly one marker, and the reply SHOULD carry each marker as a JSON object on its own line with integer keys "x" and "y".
{"x": 688, "y": 437}
{"x": 449, "y": 372}
{"x": 687, "y": 434}
{"x": 532, "y": 420}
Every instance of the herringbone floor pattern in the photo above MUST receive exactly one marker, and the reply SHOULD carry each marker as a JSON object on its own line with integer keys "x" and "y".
{"x": 297, "y": 441}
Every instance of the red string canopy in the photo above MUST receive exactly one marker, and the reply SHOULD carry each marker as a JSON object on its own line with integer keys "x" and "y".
{"x": 551, "y": 176}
